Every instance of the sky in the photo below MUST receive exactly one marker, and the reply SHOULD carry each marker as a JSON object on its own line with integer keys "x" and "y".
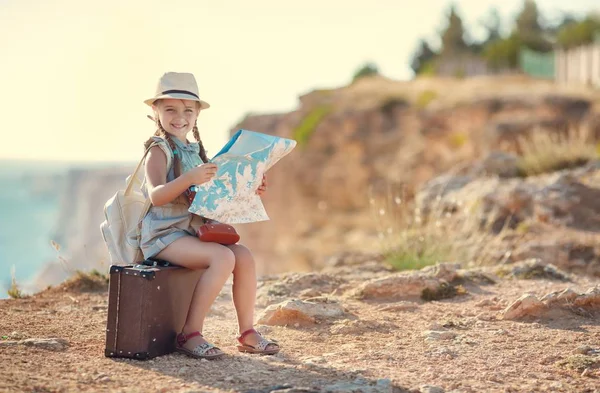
{"x": 74, "y": 73}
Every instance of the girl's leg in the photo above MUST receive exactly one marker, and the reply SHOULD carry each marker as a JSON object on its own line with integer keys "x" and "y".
{"x": 218, "y": 261}
{"x": 244, "y": 291}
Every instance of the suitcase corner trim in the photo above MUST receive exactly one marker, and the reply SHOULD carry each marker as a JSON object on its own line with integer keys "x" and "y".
{"x": 109, "y": 353}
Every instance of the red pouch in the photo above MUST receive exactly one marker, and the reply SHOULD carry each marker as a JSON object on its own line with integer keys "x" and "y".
{"x": 218, "y": 233}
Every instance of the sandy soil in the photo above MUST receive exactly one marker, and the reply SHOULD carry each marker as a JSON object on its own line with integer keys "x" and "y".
{"x": 377, "y": 341}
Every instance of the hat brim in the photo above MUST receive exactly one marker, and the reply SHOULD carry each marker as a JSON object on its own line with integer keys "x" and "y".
{"x": 178, "y": 96}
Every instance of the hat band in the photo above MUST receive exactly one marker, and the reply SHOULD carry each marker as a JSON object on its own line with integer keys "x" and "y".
{"x": 180, "y": 92}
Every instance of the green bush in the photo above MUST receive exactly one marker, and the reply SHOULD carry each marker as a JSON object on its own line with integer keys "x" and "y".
{"x": 412, "y": 238}
{"x": 425, "y": 98}
{"x": 428, "y": 69}
{"x": 459, "y": 139}
{"x": 305, "y": 129}
{"x": 366, "y": 70}
{"x": 14, "y": 291}
{"x": 578, "y": 33}
{"x": 503, "y": 53}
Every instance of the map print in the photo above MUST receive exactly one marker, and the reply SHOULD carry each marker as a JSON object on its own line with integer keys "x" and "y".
{"x": 230, "y": 197}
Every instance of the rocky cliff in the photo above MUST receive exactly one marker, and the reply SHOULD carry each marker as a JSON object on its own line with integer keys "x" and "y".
{"x": 379, "y": 136}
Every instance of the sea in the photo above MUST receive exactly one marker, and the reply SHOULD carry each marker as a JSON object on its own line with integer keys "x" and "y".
{"x": 30, "y": 199}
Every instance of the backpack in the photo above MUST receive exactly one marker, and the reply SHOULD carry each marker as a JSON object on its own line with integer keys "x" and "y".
{"x": 124, "y": 212}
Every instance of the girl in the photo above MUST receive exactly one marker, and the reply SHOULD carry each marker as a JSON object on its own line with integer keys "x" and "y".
{"x": 169, "y": 230}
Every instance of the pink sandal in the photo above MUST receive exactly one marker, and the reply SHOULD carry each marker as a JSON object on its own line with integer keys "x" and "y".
{"x": 199, "y": 352}
{"x": 260, "y": 348}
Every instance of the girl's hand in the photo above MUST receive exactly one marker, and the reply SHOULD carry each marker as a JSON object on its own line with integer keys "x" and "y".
{"x": 263, "y": 186}
{"x": 201, "y": 173}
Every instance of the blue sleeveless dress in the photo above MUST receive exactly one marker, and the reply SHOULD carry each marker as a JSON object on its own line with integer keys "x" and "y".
{"x": 165, "y": 224}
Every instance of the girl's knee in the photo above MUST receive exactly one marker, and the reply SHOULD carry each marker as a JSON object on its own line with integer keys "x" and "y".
{"x": 224, "y": 258}
{"x": 243, "y": 256}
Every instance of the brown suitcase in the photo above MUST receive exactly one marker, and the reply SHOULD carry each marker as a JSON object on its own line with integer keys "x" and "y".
{"x": 147, "y": 307}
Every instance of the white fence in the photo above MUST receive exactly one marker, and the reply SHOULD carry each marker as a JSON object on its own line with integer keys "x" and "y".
{"x": 579, "y": 65}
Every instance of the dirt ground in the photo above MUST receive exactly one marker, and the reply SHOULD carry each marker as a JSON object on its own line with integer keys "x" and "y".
{"x": 379, "y": 346}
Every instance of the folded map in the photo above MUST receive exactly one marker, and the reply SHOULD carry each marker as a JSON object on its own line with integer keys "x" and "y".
{"x": 230, "y": 197}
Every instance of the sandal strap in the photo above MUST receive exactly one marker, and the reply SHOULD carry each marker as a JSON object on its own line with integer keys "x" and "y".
{"x": 202, "y": 349}
{"x": 262, "y": 343}
{"x": 182, "y": 338}
{"x": 244, "y": 334}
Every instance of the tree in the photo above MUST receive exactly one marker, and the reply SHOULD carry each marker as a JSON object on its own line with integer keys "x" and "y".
{"x": 528, "y": 21}
{"x": 422, "y": 56}
{"x": 366, "y": 70}
{"x": 503, "y": 53}
{"x": 493, "y": 24}
{"x": 453, "y": 38}
{"x": 579, "y": 33}
{"x": 529, "y": 28}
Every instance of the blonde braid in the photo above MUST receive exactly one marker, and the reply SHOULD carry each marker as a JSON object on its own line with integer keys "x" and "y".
{"x": 202, "y": 152}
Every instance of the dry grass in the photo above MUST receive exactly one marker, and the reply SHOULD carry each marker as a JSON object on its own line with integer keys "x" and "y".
{"x": 14, "y": 291}
{"x": 411, "y": 239}
{"x": 92, "y": 281}
{"x": 80, "y": 281}
{"x": 548, "y": 152}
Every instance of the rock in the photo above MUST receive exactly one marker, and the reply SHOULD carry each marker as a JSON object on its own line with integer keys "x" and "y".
{"x": 17, "y": 335}
{"x": 533, "y": 268}
{"x": 566, "y": 300}
{"x": 399, "y": 306}
{"x": 435, "y": 335}
{"x": 583, "y": 349}
{"x": 443, "y": 271}
{"x": 499, "y": 163}
{"x": 590, "y": 299}
{"x": 10, "y": 343}
{"x": 430, "y": 389}
{"x": 299, "y": 312}
{"x": 295, "y": 390}
{"x": 307, "y": 284}
{"x": 360, "y": 385}
{"x": 442, "y": 353}
{"x": 397, "y": 286}
{"x": 52, "y": 344}
{"x": 564, "y": 297}
{"x": 485, "y": 303}
{"x": 433, "y": 192}
{"x": 527, "y": 304}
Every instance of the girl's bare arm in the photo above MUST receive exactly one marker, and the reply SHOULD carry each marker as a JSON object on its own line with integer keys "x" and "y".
{"x": 159, "y": 191}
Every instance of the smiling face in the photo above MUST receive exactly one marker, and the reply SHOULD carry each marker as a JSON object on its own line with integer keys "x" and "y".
{"x": 177, "y": 116}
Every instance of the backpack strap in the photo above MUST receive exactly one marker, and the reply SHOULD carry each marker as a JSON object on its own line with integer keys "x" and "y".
{"x": 160, "y": 142}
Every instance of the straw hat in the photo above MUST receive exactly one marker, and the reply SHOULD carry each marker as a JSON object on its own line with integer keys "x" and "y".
{"x": 177, "y": 85}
